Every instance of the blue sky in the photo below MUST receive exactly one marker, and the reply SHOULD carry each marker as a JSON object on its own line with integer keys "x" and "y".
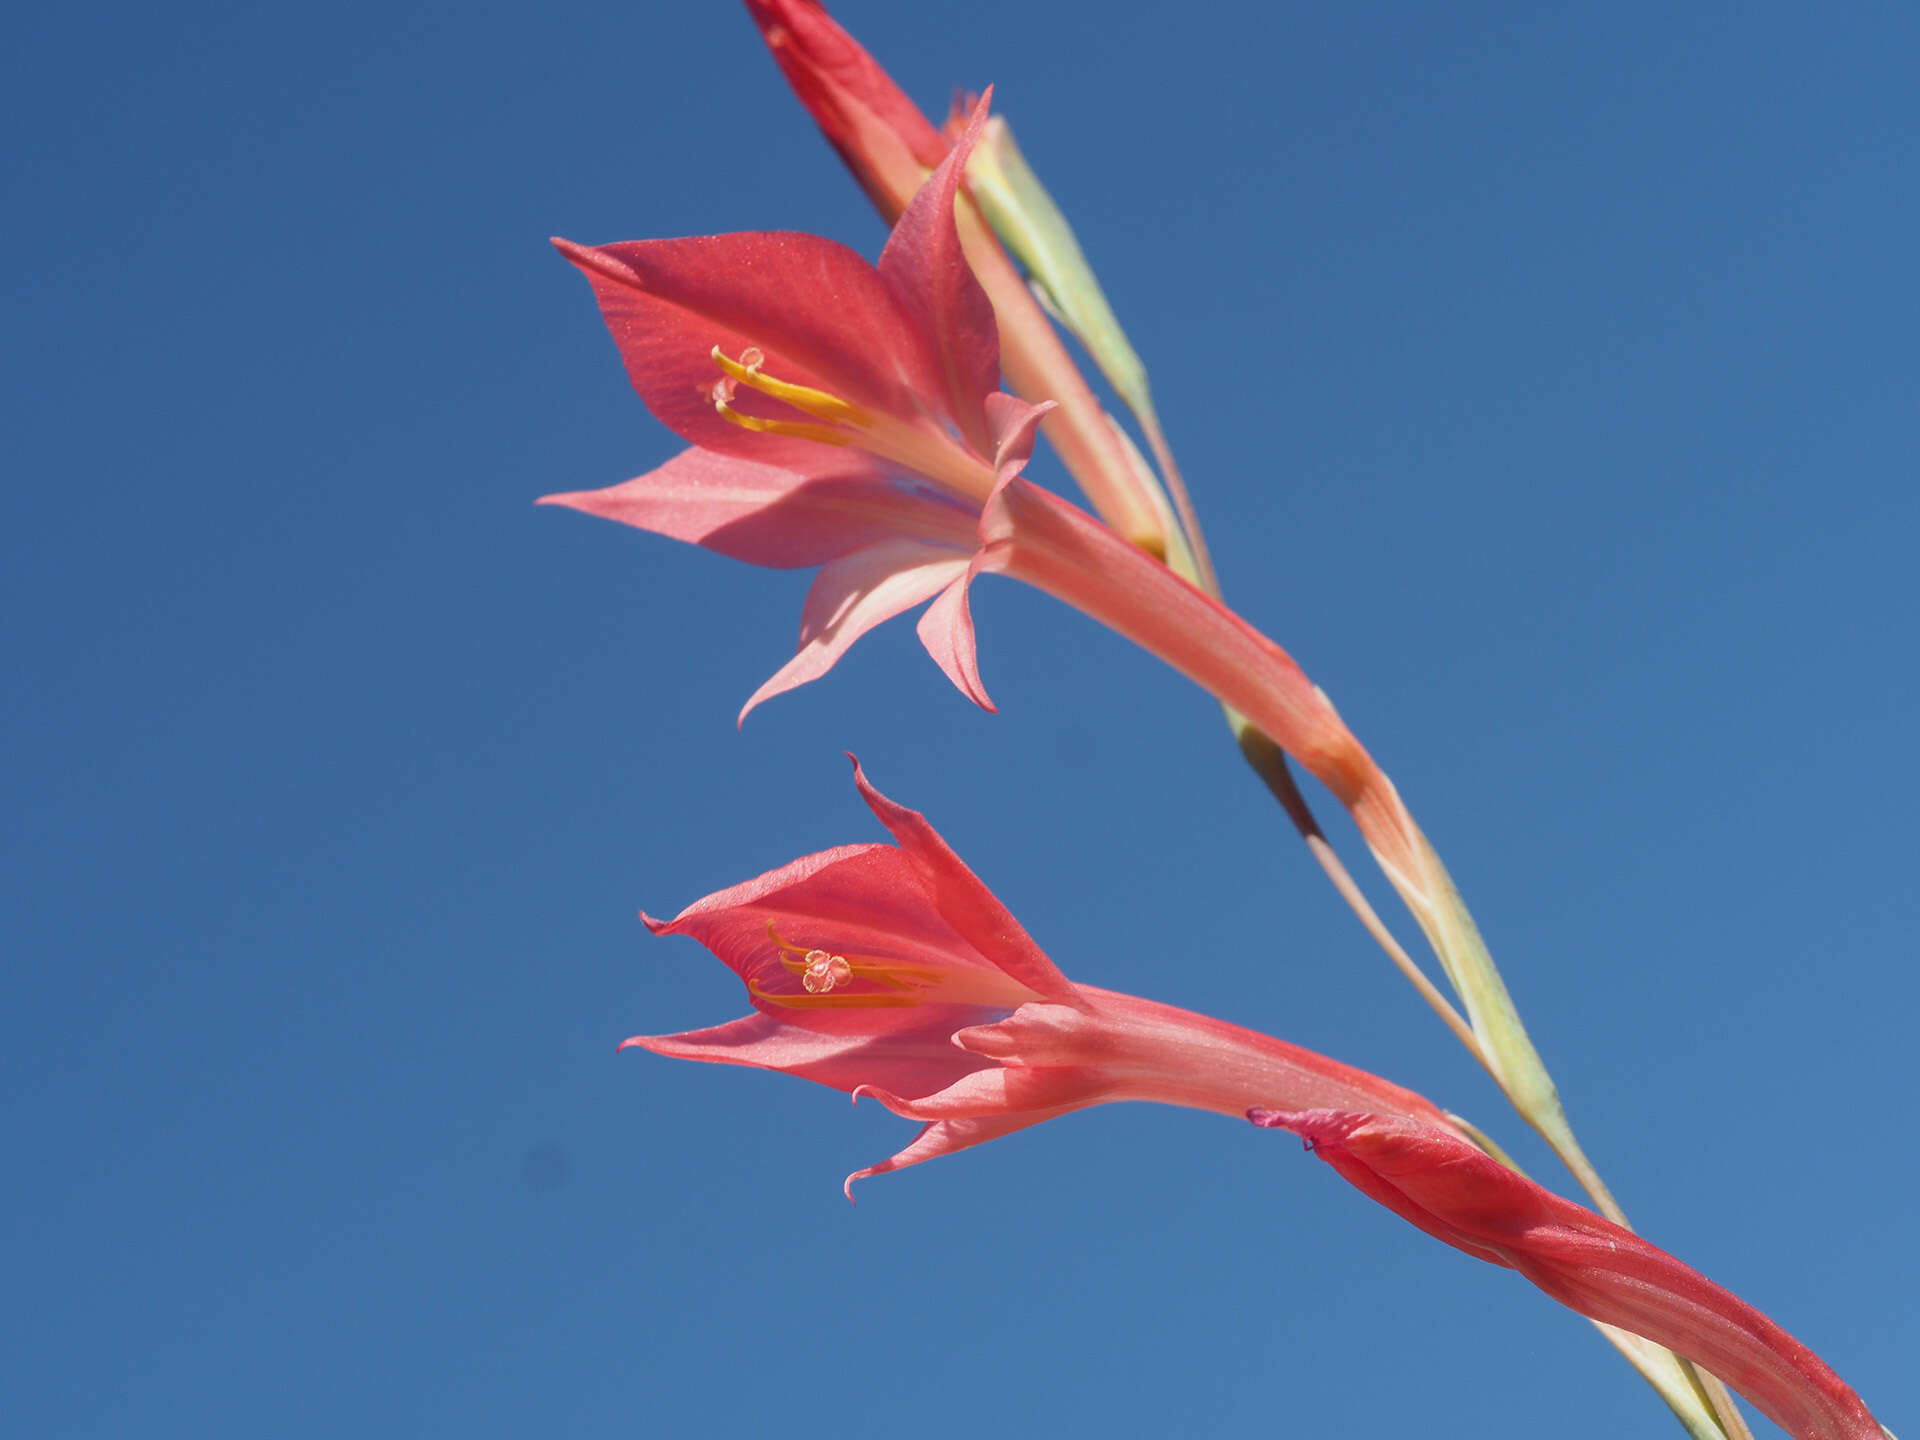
{"x": 1546, "y": 376}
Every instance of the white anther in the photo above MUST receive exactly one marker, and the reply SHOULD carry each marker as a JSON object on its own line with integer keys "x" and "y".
{"x": 824, "y": 971}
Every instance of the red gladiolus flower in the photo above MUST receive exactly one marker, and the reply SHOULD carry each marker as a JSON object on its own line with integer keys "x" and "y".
{"x": 1455, "y": 1192}
{"x": 843, "y": 414}
{"x": 892, "y": 971}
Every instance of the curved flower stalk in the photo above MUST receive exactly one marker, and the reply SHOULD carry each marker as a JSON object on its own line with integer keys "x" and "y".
{"x": 891, "y": 147}
{"x": 892, "y": 971}
{"x": 1432, "y": 1178}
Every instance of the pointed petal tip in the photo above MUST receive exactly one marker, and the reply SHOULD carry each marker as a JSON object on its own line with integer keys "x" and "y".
{"x": 946, "y": 630}
{"x": 778, "y": 683}
{"x": 596, "y": 261}
{"x": 656, "y": 925}
{"x": 881, "y": 804}
{"x": 754, "y": 701}
{"x": 886, "y": 1097}
{"x": 1013, "y": 425}
{"x": 885, "y": 1166}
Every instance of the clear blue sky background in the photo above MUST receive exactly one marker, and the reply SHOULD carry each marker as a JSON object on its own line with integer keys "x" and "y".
{"x": 1547, "y": 374}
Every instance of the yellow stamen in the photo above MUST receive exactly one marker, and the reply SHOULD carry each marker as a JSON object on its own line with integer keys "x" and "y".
{"x": 830, "y": 1001}
{"x": 805, "y": 399}
{"x": 794, "y": 428}
{"x": 925, "y": 450}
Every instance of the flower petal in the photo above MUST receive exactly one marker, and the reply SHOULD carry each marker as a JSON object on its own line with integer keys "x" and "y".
{"x": 916, "y": 1060}
{"x": 1013, "y": 425}
{"x": 999, "y": 1090}
{"x": 820, "y": 315}
{"x": 946, "y": 629}
{"x": 925, "y": 268}
{"x": 767, "y": 515}
{"x": 1455, "y": 1192}
{"x": 943, "y": 1137}
{"x": 860, "y": 901}
{"x": 964, "y": 901}
{"x": 853, "y": 594}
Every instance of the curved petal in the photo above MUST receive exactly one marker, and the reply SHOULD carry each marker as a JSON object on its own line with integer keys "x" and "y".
{"x": 914, "y": 1062}
{"x": 789, "y": 882}
{"x": 925, "y": 268}
{"x": 1013, "y": 425}
{"x": 943, "y": 1137}
{"x": 964, "y": 901}
{"x": 817, "y": 311}
{"x": 853, "y": 594}
{"x": 946, "y": 629}
{"x": 768, "y": 515}
{"x": 757, "y": 1040}
{"x": 999, "y": 1090}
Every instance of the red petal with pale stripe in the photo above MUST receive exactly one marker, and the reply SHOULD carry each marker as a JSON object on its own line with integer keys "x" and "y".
{"x": 766, "y": 515}
{"x": 917, "y": 1059}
